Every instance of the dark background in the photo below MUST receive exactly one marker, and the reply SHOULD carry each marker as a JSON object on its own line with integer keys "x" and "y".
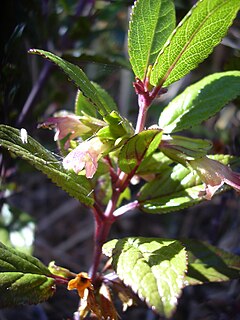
{"x": 32, "y": 89}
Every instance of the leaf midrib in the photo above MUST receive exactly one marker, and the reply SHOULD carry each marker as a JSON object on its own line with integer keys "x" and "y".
{"x": 151, "y": 44}
{"x": 186, "y": 45}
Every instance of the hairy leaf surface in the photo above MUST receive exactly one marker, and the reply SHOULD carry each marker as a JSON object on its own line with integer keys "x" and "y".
{"x": 193, "y": 40}
{"x": 200, "y": 101}
{"x": 23, "y": 279}
{"x": 77, "y": 186}
{"x": 80, "y": 79}
{"x": 207, "y": 263}
{"x": 151, "y": 23}
{"x": 154, "y": 268}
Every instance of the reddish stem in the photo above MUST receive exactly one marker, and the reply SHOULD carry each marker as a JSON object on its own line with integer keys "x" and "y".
{"x": 120, "y": 181}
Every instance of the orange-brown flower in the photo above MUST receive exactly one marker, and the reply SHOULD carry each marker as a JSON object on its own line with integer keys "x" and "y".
{"x": 80, "y": 282}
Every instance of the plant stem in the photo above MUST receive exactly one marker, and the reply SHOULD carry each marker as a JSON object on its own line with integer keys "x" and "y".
{"x": 142, "y": 114}
{"x": 104, "y": 220}
{"x": 101, "y": 232}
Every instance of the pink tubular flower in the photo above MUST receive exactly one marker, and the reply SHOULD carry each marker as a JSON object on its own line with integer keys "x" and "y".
{"x": 66, "y": 125}
{"x": 86, "y": 155}
{"x": 214, "y": 174}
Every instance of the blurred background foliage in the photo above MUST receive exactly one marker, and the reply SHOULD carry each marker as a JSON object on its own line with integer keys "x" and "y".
{"x": 38, "y": 217}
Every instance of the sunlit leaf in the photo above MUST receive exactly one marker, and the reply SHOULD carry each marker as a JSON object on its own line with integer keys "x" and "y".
{"x": 200, "y": 101}
{"x": 150, "y": 25}
{"x": 193, "y": 40}
{"x": 77, "y": 186}
{"x": 154, "y": 268}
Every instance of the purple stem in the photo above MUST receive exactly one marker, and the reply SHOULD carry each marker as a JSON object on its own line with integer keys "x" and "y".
{"x": 34, "y": 92}
{"x": 101, "y": 233}
{"x": 105, "y": 220}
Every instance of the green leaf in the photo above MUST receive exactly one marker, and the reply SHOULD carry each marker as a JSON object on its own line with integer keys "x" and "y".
{"x": 23, "y": 279}
{"x": 75, "y": 185}
{"x": 207, "y": 263}
{"x": 154, "y": 268}
{"x": 138, "y": 147}
{"x": 180, "y": 149}
{"x": 118, "y": 127}
{"x": 151, "y": 24}
{"x": 193, "y": 40}
{"x": 175, "y": 189}
{"x": 105, "y": 98}
{"x": 155, "y": 163}
{"x": 84, "y": 106}
{"x": 79, "y": 78}
{"x": 200, "y": 101}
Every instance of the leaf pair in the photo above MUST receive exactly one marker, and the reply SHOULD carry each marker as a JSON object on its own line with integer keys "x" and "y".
{"x": 174, "y": 52}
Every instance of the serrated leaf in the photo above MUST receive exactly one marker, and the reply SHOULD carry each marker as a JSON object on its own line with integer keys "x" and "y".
{"x": 154, "y": 268}
{"x": 79, "y": 78}
{"x": 83, "y": 105}
{"x": 193, "y": 40}
{"x": 150, "y": 25}
{"x": 175, "y": 189}
{"x": 200, "y": 101}
{"x": 137, "y": 147}
{"x": 23, "y": 278}
{"x": 105, "y": 98}
{"x": 75, "y": 185}
{"x": 207, "y": 263}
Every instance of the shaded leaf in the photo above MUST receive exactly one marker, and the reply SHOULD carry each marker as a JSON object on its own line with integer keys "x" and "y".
{"x": 200, "y": 101}
{"x": 79, "y": 78}
{"x": 136, "y": 148}
{"x": 180, "y": 149}
{"x": 154, "y": 268}
{"x": 150, "y": 25}
{"x": 23, "y": 279}
{"x": 82, "y": 55}
{"x": 75, "y": 185}
{"x": 207, "y": 263}
{"x": 193, "y": 40}
{"x": 174, "y": 189}
{"x": 155, "y": 163}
